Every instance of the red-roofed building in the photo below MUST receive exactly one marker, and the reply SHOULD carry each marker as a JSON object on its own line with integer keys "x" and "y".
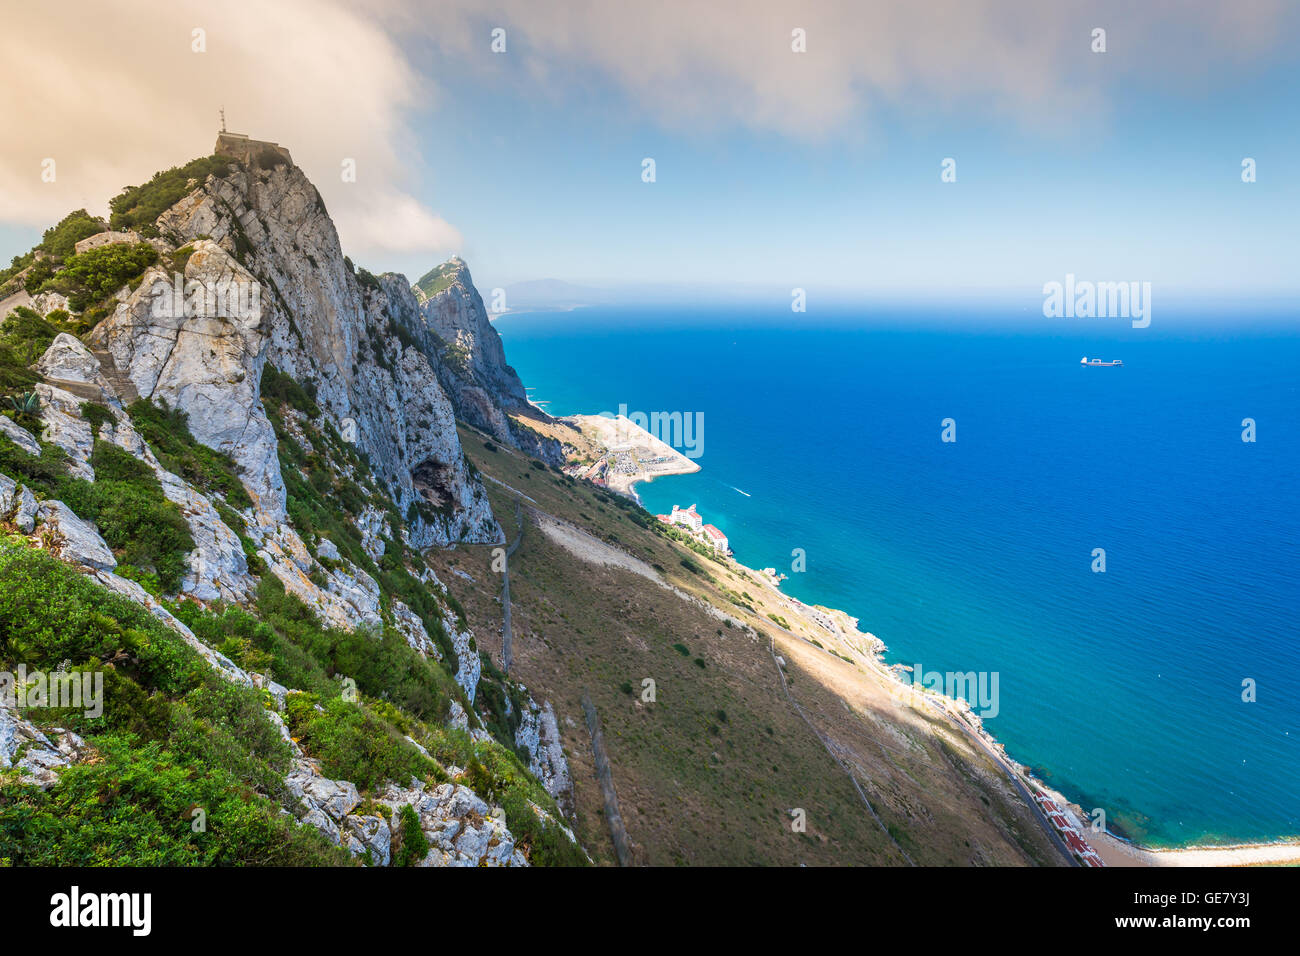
{"x": 716, "y": 538}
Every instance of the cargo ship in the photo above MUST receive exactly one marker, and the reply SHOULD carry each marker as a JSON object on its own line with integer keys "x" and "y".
{"x": 1098, "y": 362}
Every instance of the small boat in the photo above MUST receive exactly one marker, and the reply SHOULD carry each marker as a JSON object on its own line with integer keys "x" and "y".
{"x": 1098, "y": 363}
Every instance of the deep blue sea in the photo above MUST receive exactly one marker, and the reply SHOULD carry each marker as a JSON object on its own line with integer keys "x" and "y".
{"x": 1123, "y": 689}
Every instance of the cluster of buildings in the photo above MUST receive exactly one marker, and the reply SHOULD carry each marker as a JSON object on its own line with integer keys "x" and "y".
{"x": 1069, "y": 833}
{"x": 690, "y": 519}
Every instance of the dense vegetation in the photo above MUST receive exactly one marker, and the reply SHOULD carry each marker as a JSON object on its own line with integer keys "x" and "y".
{"x": 92, "y": 276}
{"x": 438, "y": 279}
{"x": 24, "y": 337}
{"x": 145, "y": 530}
{"x": 174, "y": 736}
{"x": 136, "y": 207}
{"x": 167, "y": 431}
{"x": 57, "y": 243}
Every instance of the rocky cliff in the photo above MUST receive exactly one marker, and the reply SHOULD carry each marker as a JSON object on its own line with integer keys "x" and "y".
{"x": 322, "y": 325}
{"x": 248, "y": 421}
{"x": 486, "y": 392}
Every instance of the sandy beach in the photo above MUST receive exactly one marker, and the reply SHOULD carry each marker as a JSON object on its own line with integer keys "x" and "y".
{"x": 1113, "y": 850}
{"x": 1117, "y": 852}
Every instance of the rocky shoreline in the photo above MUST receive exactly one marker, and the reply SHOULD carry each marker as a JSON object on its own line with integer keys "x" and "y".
{"x": 1112, "y": 849}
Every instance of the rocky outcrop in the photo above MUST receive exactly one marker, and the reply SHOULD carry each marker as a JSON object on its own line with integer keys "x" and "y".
{"x": 539, "y": 736}
{"x": 333, "y": 333}
{"x": 413, "y": 629}
{"x": 68, "y": 363}
{"x": 19, "y": 436}
{"x": 460, "y": 827}
{"x": 469, "y": 666}
{"x": 64, "y": 426}
{"x": 25, "y": 747}
{"x": 218, "y": 568}
{"x": 486, "y": 392}
{"x": 70, "y": 538}
{"x": 17, "y": 505}
{"x": 202, "y": 351}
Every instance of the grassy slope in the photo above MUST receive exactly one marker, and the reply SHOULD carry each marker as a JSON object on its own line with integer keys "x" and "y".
{"x": 709, "y": 773}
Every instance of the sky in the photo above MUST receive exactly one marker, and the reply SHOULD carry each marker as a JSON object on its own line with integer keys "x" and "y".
{"x": 775, "y": 168}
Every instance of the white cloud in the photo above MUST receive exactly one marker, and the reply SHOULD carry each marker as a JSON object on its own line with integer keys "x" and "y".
{"x": 693, "y": 64}
{"x": 112, "y": 94}
{"x": 399, "y": 223}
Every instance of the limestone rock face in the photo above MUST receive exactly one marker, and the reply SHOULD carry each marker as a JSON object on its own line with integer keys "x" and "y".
{"x": 539, "y": 736}
{"x": 373, "y": 527}
{"x": 72, "y": 539}
{"x": 332, "y": 332}
{"x": 22, "y": 510}
{"x": 483, "y": 388}
{"x": 64, "y": 426}
{"x": 218, "y": 568}
{"x": 413, "y": 629}
{"x": 8, "y": 495}
{"x": 462, "y": 830}
{"x": 457, "y": 316}
{"x": 42, "y": 756}
{"x": 67, "y": 360}
{"x": 19, "y": 436}
{"x": 202, "y": 351}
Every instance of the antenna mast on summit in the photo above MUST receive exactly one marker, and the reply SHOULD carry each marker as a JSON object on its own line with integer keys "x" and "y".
{"x": 223, "y": 119}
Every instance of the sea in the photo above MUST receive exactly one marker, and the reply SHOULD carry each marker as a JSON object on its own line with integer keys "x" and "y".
{"x": 1101, "y": 539}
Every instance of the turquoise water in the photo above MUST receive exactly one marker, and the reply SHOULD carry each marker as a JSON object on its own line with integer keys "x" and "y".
{"x": 1124, "y": 688}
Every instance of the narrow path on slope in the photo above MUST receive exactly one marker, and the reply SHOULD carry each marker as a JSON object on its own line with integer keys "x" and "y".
{"x": 506, "y": 636}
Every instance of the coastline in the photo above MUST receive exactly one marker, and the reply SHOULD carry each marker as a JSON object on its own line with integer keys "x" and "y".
{"x": 625, "y": 454}
{"x": 1113, "y": 850}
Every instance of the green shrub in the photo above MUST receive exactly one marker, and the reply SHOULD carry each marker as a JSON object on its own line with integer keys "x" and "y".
{"x": 138, "y": 206}
{"x": 168, "y": 433}
{"x": 135, "y": 805}
{"x": 353, "y": 744}
{"x": 281, "y": 388}
{"x": 50, "y": 614}
{"x": 60, "y": 241}
{"x": 413, "y": 845}
{"x": 97, "y": 415}
{"x": 27, "y": 334}
{"x": 127, "y": 503}
{"x": 544, "y": 842}
{"x": 98, "y": 273}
